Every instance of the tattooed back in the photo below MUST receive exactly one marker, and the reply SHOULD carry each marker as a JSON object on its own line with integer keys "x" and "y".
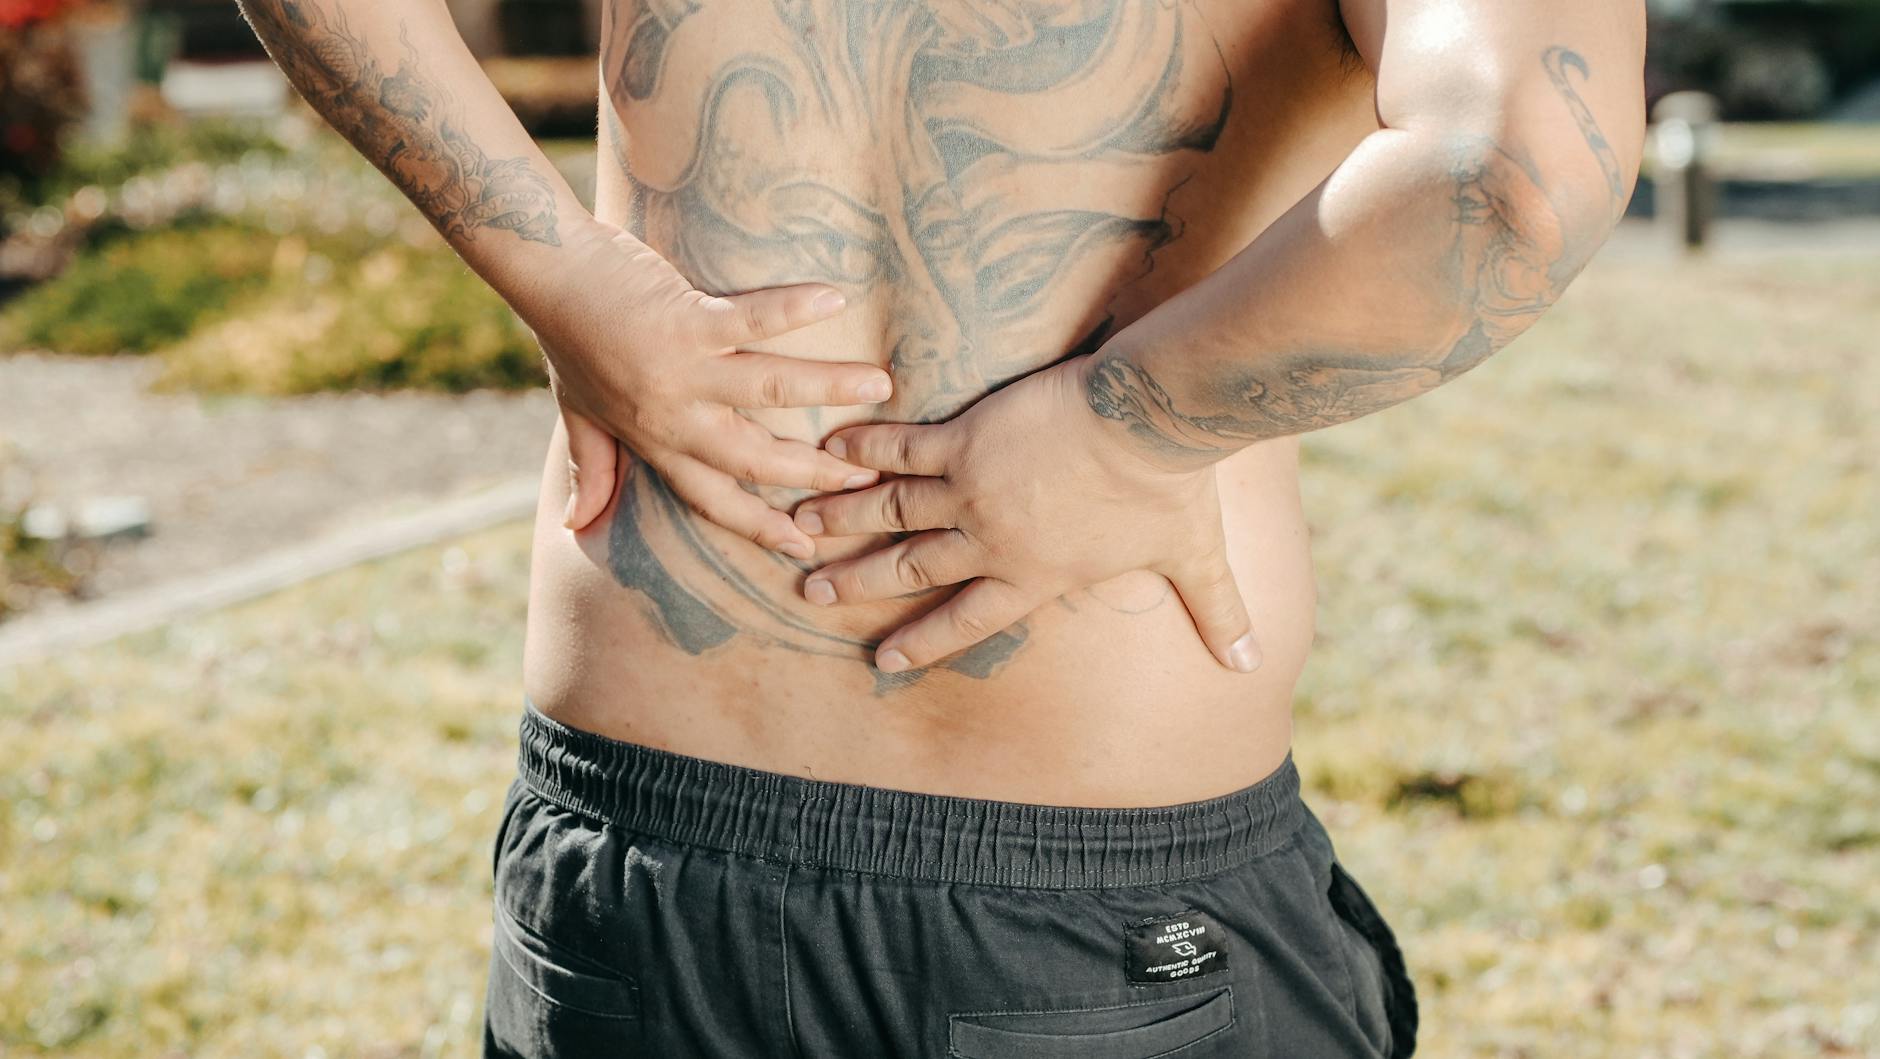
{"x": 994, "y": 185}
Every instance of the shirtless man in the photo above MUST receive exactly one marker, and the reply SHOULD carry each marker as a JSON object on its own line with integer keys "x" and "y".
{"x": 881, "y": 298}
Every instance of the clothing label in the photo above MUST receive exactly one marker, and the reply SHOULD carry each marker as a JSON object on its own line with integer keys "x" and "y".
{"x": 1174, "y": 948}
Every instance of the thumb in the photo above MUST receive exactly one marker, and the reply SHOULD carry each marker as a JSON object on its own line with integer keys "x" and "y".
{"x": 1213, "y": 600}
{"x": 593, "y": 458}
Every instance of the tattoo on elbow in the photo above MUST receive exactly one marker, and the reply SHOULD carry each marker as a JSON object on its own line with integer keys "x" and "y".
{"x": 1514, "y": 252}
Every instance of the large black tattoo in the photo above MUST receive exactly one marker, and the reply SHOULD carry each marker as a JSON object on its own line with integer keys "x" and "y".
{"x": 1510, "y": 258}
{"x": 930, "y": 185}
{"x": 976, "y": 218}
{"x": 406, "y": 123}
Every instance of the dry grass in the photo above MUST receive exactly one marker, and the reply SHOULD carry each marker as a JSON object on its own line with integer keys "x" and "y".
{"x": 1592, "y": 715}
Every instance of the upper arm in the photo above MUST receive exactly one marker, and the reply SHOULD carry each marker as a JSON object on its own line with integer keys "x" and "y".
{"x": 1556, "y": 82}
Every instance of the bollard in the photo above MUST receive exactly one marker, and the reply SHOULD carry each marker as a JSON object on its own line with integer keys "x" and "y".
{"x": 1683, "y": 128}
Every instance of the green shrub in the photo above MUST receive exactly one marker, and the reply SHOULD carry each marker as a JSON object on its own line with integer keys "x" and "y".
{"x": 154, "y": 145}
{"x": 400, "y": 317}
{"x": 231, "y": 307}
{"x": 138, "y": 292}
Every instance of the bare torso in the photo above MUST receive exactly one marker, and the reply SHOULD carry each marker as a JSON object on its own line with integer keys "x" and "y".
{"x": 993, "y": 185}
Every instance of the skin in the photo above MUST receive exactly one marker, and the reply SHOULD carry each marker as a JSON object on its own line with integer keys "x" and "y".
{"x": 1509, "y": 231}
{"x": 1114, "y": 257}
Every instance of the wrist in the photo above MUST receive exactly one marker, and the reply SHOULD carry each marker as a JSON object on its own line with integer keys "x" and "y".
{"x": 533, "y": 277}
{"x": 1132, "y": 413}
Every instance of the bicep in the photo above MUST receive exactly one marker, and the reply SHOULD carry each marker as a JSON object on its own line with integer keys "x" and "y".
{"x": 1449, "y": 60}
{"x": 1556, "y": 83}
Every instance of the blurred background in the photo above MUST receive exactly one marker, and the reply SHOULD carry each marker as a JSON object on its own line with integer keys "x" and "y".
{"x": 1593, "y": 710}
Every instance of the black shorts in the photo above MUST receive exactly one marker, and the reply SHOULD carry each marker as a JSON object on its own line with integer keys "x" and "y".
{"x": 649, "y": 904}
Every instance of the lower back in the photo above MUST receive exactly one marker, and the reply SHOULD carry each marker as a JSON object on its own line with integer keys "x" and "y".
{"x": 991, "y": 194}
{"x": 662, "y": 630}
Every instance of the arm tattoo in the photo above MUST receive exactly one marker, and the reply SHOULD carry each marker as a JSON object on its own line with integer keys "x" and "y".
{"x": 407, "y": 123}
{"x": 1558, "y": 61}
{"x": 985, "y": 230}
{"x": 1509, "y": 259}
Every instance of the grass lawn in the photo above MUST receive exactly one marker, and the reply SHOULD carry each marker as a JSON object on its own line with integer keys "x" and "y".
{"x": 1592, "y": 715}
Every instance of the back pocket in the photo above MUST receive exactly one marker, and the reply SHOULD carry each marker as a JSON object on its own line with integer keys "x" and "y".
{"x": 560, "y": 978}
{"x": 1130, "y": 1031}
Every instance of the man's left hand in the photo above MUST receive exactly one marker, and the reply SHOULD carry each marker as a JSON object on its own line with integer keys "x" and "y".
{"x": 1029, "y": 495}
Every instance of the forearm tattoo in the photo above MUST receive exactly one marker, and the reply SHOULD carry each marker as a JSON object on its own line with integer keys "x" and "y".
{"x": 1510, "y": 257}
{"x": 407, "y": 123}
{"x": 980, "y": 227}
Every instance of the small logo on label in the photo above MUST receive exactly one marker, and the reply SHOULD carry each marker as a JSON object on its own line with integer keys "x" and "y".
{"x": 1174, "y": 948}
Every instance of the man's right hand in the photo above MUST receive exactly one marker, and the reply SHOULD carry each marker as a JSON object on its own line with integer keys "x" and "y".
{"x": 636, "y": 353}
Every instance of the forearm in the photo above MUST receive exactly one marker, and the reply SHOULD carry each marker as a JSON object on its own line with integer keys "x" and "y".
{"x": 1435, "y": 244}
{"x": 397, "y": 81}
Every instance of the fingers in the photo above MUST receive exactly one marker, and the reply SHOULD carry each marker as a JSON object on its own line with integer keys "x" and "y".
{"x": 942, "y": 557}
{"x": 981, "y": 609}
{"x": 1213, "y": 600}
{"x": 896, "y": 447}
{"x": 748, "y": 452}
{"x": 717, "y": 498}
{"x": 901, "y": 505}
{"x": 767, "y": 380}
{"x": 740, "y": 318}
{"x": 593, "y": 460}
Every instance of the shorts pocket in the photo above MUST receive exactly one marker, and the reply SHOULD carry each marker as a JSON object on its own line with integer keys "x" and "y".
{"x": 1130, "y": 1031}
{"x": 562, "y": 978}
{"x": 1354, "y": 908}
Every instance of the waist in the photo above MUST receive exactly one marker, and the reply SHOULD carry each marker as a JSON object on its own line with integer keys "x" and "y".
{"x": 1104, "y": 698}
{"x": 909, "y": 835}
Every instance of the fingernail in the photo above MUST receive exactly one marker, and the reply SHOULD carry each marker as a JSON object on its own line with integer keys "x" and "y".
{"x": 876, "y": 391}
{"x": 809, "y": 522}
{"x": 1244, "y": 655}
{"x": 829, "y": 302}
{"x": 819, "y": 592}
{"x": 890, "y": 661}
{"x": 856, "y": 481}
{"x": 796, "y": 549}
{"x": 837, "y": 447}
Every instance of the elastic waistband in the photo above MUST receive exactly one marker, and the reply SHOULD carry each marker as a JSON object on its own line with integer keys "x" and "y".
{"x": 915, "y": 836}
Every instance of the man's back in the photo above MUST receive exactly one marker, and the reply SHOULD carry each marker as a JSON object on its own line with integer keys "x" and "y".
{"x": 1261, "y": 242}
{"x": 993, "y": 187}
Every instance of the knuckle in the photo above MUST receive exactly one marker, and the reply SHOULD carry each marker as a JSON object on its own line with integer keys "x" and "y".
{"x": 753, "y": 318}
{"x": 972, "y": 624}
{"x": 772, "y": 390}
{"x": 911, "y": 570}
{"x": 894, "y": 507}
{"x": 972, "y": 508}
